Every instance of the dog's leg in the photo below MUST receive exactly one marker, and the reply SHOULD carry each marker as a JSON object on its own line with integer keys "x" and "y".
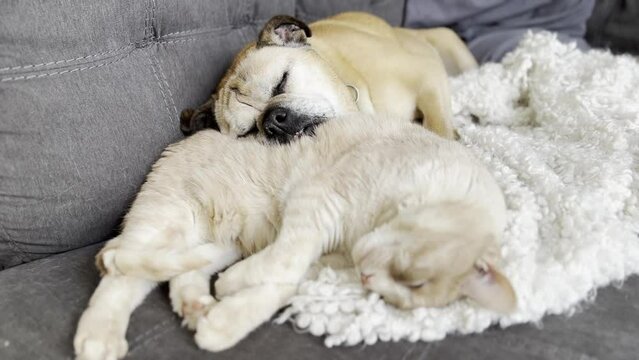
{"x": 102, "y": 327}
{"x": 433, "y": 93}
{"x": 235, "y": 316}
{"x": 434, "y": 102}
{"x": 191, "y": 294}
{"x": 451, "y": 48}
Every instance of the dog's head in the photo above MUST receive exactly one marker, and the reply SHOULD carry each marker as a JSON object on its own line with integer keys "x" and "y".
{"x": 277, "y": 87}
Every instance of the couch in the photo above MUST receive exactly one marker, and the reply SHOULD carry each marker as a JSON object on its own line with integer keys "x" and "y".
{"x": 90, "y": 94}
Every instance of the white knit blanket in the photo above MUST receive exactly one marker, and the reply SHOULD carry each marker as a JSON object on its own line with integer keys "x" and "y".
{"x": 559, "y": 129}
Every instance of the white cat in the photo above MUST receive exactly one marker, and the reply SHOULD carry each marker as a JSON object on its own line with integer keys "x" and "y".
{"x": 419, "y": 215}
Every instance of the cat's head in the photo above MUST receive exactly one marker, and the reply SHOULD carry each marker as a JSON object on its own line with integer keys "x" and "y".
{"x": 412, "y": 266}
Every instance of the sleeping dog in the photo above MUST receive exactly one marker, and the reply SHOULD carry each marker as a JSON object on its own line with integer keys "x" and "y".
{"x": 284, "y": 84}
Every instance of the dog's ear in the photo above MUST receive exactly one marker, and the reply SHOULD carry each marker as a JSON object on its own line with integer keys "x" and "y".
{"x": 194, "y": 120}
{"x": 284, "y": 30}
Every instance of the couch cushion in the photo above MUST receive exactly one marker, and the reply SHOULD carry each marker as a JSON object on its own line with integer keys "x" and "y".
{"x": 310, "y": 10}
{"x": 42, "y": 301}
{"x": 90, "y": 95}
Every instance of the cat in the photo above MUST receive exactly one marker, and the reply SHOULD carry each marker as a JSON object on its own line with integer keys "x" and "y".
{"x": 420, "y": 217}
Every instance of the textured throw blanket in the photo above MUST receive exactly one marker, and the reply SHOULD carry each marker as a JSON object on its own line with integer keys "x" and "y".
{"x": 559, "y": 128}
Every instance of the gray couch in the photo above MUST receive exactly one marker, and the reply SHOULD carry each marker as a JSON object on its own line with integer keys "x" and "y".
{"x": 89, "y": 96}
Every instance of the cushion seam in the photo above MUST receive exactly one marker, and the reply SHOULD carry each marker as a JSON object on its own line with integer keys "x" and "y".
{"x": 159, "y": 82}
{"x": 155, "y": 63}
{"x": 64, "y": 61}
{"x": 139, "y": 340}
{"x": 168, "y": 88}
{"x": 13, "y": 245}
{"x": 187, "y": 35}
{"x": 67, "y": 71}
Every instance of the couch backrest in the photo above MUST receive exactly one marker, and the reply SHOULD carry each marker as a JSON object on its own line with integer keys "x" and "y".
{"x": 90, "y": 95}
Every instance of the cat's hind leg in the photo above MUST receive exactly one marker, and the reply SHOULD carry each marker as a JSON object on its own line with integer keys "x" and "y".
{"x": 161, "y": 250}
{"x": 162, "y": 264}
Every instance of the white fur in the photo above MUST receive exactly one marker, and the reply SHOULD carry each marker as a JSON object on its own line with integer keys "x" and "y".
{"x": 560, "y": 132}
{"x": 212, "y": 199}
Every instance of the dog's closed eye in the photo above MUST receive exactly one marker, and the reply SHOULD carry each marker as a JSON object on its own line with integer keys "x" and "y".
{"x": 279, "y": 89}
{"x": 245, "y": 100}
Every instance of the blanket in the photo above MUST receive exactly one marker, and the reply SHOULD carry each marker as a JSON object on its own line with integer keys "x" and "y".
{"x": 559, "y": 129}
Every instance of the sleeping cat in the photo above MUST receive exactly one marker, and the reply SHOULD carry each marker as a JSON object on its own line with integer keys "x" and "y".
{"x": 420, "y": 217}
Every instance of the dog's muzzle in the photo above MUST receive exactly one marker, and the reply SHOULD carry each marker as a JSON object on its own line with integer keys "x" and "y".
{"x": 284, "y": 125}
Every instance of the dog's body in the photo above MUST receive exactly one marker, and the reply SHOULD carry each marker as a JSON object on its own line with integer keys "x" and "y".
{"x": 292, "y": 75}
{"x": 384, "y": 194}
{"x": 397, "y": 71}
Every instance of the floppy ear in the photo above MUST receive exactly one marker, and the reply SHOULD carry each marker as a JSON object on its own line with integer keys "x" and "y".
{"x": 284, "y": 30}
{"x": 490, "y": 289}
{"x": 194, "y": 120}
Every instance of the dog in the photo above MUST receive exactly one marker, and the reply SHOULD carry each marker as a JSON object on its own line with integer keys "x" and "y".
{"x": 295, "y": 76}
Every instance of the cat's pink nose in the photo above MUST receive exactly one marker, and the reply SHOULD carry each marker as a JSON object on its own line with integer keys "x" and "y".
{"x": 364, "y": 278}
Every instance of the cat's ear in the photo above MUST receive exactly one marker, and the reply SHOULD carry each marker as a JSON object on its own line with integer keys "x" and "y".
{"x": 490, "y": 289}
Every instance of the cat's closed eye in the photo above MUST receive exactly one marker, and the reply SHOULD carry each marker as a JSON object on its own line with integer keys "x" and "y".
{"x": 413, "y": 279}
{"x": 415, "y": 285}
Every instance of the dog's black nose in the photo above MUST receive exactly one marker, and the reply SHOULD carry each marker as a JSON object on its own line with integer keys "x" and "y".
{"x": 278, "y": 120}
{"x": 278, "y": 116}
{"x": 284, "y": 124}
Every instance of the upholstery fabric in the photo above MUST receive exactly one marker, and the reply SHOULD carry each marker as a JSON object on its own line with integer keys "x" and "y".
{"x": 491, "y": 28}
{"x": 90, "y": 95}
{"x": 42, "y": 302}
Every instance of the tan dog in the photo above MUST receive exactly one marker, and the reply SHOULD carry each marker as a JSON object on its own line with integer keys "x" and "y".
{"x": 287, "y": 82}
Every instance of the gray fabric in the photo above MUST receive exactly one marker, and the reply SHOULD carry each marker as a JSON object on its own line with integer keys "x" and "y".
{"x": 491, "y": 28}
{"x": 310, "y": 10}
{"x": 42, "y": 301}
{"x": 90, "y": 95}
{"x": 614, "y": 24}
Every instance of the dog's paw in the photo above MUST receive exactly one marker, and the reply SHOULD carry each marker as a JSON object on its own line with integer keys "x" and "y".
{"x": 219, "y": 329}
{"x": 193, "y": 310}
{"x": 99, "y": 341}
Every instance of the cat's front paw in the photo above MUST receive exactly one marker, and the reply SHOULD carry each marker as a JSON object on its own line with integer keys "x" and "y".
{"x": 95, "y": 339}
{"x": 225, "y": 285}
{"x": 235, "y": 316}
{"x": 193, "y": 310}
{"x": 219, "y": 330}
{"x": 237, "y": 277}
{"x": 242, "y": 275}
